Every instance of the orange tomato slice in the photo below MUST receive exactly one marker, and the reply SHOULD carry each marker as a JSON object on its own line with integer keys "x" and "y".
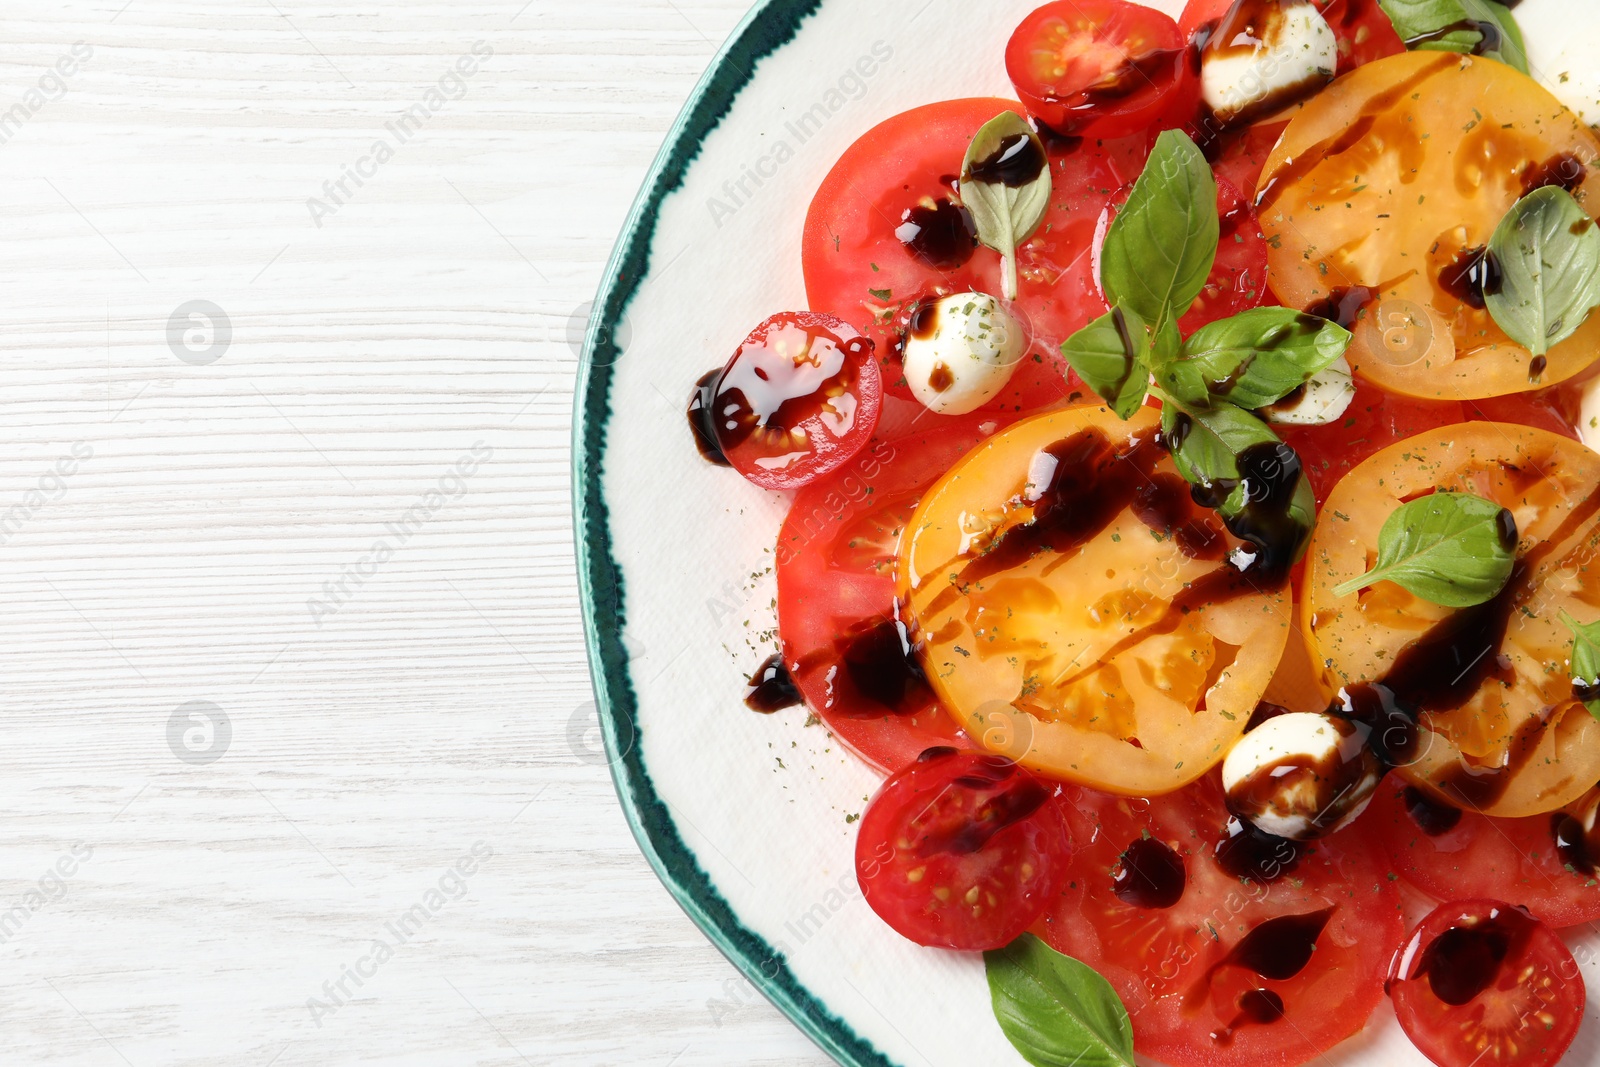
{"x": 1523, "y": 715}
{"x": 1048, "y": 625}
{"x": 1383, "y": 180}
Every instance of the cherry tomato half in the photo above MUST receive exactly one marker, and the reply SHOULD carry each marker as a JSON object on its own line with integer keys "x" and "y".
{"x": 1484, "y": 984}
{"x": 962, "y": 850}
{"x": 1098, "y": 68}
{"x": 797, "y": 401}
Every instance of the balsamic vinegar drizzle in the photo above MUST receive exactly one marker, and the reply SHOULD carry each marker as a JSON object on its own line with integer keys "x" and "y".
{"x": 1572, "y": 844}
{"x": 1474, "y": 274}
{"x": 1563, "y": 170}
{"x": 1020, "y": 797}
{"x": 1431, "y": 817}
{"x": 702, "y": 419}
{"x": 1277, "y": 950}
{"x": 1464, "y": 961}
{"x": 1250, "y": 853}
{"x": 1152, "y": 876}
{"x": 943, "y": 236}
{"x": 1259, "y": 1006}
{"x": 1489, "y": 41}
{"x": 1018, "y": 161}
{"x": 771, "y": 689}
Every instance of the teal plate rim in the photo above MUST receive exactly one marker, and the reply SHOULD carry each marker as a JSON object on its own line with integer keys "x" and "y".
{"x": 768, "y": 27}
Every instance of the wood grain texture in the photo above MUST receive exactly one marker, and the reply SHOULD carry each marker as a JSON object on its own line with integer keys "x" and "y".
{"x": 349, "y": 535}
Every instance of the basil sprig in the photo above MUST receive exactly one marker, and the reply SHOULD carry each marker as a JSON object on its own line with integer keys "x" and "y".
{"x": 1458, "y": 26}
{"x": 1254, "y": 359}
{"x": 1159, "y": 250}
{"x": 1454, "y": 549}
{"x": 1112, "y": 355}
{"x": 1056, "y": 1011}
{"x": 1585, "y": 658}
{"x": 1548, "y": 250}
{"x": 1238, "y": 466}
{"x": 1006, "y": 215}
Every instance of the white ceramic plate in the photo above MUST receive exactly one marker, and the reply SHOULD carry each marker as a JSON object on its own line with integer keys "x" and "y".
{"x": 744, "y": 815}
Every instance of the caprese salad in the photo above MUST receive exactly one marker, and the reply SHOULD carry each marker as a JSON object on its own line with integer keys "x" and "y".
{"x": 1196, "y": 516}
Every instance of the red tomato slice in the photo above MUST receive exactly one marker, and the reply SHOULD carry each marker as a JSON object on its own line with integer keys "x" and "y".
{"x": 1556, "y": 409}
{"x": 1099, "y": 68}
{"x": 1222, "y": 973}
{"x": 1482, "y": 983}
{"x": 961, "y": 850}
{"x": 1375, "y": 421}
{"x": 1241, "y": 158}
{"x": 1450, "y": 854}
{"x": 836, "y": 590}
{"x": 797, "y": 401}
{"x": 1238, "y": 280}
{"x": 885, "y": 232}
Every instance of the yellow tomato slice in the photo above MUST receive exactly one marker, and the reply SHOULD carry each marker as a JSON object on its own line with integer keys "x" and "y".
{"x": 1379, "y": 185}
{"x": 1521, "y": 729}
{"x": 1048, "y": 623}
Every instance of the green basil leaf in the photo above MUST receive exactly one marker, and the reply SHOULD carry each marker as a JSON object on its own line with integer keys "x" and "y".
{"x": 1160, "y": 248}
{"x": 1454, "y": 549}
{"x": 1549, "y": 254}
{"x": 1459, "y": 26}
{"x": 1513, "y": 52}
{"x": 1056, "y": 1011}
{"x": 1254, "y": 359}
{"x": 1237, "y": 464}
{"x": 1585, "y": 658}
{"x": 1112, "y": 355}
{"x": 1006, "y": 215}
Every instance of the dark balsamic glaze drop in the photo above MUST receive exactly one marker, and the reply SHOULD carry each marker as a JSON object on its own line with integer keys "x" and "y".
{"x": 924, "y": 320}
{"x": 1537, "y": 367}
{"x": 1253, "y": 854}
{"x": 1489, "y": 36}
{"x": 1152, "y": 876}
{"x": 1563, "y": 170}
{"x": 1018, "y": 161}
{"x": 1464, "y": 961}
{"x": 1343, "y": 305}
{"x": 880, "y": 664}
{"x": 1474, "y": 274}
{"x": 940, "y": 378}
{"x": 1276, "y": 950}
{"x": 1260, "y": 1007}
{"x": 1572, "y": 844}
{"x": 943, "y": 236}
{"x": 1584, "y": 690}
{"x": 702, "y": 419}
{"x": 771, "y": 689}
{"x": 1165, "y": 505}
{"x": 1431, "y": 817}
{"x": 1005, "y": 798}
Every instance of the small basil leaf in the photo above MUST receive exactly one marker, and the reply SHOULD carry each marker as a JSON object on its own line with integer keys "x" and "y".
{"x": 1256, "y": 483}
{"x": 1549, "y": 254}
{"x": 1513, "y": 52}
{"x": 1254, "y": 359}
{"x": 1056, "y": 1011}
{"x": 1005, "y": 184}
{"x": 1112, "y": 355}
{"x": 1454, "y": 549}
{"x": 1161, "y": 246}
{"x": 1585, "y": 660}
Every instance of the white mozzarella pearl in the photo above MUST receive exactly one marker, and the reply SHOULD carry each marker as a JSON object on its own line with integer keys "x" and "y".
{"x": 965, "y": 353}
{"x": 1301, "y": 776}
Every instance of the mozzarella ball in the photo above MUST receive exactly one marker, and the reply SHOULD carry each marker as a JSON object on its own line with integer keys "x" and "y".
{"x": 1322, "y": 401}
{"x": 1301, "y": 776}
{"x": 961, "y": 351}
{"x": 1589, "y": 415}
{"x": 1256, "y": 74}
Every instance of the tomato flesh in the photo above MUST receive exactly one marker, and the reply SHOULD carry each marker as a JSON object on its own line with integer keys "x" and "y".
{"x": 886, "y": 232}
{"x": 798, "y": 399}
{"x": 1175, "y": 967}
{"x": 835, "y": 558}
{"x": 1450, "y": 853}
{"x": 1098, "y": 68}
{"x": 961, "y": 850}
{"x": 1482, "y": 983}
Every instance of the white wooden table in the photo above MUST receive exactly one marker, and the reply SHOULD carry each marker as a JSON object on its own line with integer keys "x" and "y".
{"x": 298, "y": 766}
